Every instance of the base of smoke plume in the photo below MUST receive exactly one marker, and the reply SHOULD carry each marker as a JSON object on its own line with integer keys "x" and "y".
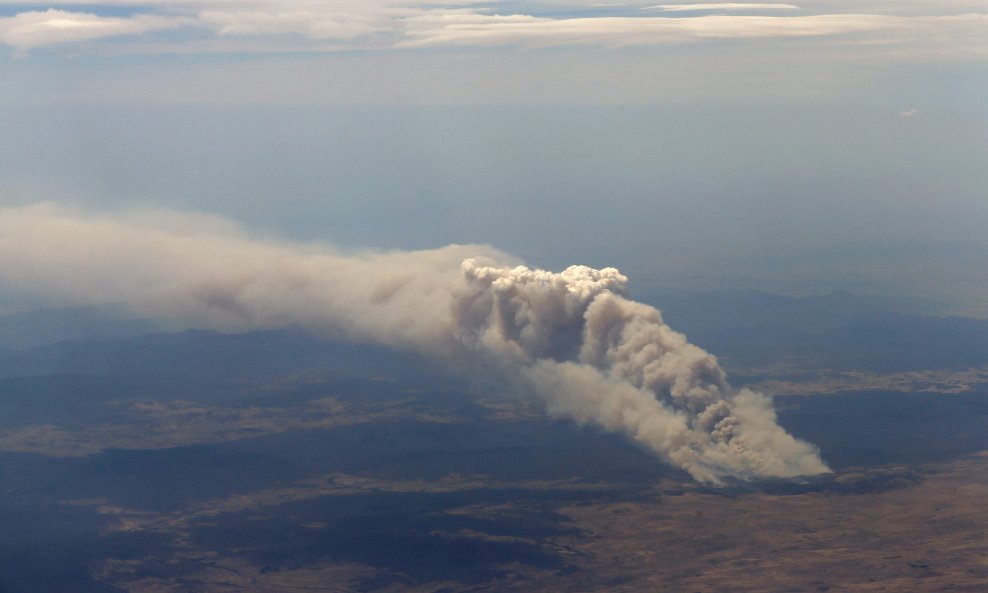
{"x": 760, "y": 449}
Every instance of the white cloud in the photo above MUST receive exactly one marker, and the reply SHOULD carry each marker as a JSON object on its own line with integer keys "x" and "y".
{"x": 28, "y": 30}
{"x": 726, "y": 6}
{"x": 624, "y": 31}
{"x": 911, "y": 112}
{"x": 316, "y": 25}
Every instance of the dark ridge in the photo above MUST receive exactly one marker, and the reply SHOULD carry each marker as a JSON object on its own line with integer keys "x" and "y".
{"x": 876, "y": 428}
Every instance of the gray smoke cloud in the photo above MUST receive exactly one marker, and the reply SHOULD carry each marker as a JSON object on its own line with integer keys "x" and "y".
{"x": 574, "y": 339}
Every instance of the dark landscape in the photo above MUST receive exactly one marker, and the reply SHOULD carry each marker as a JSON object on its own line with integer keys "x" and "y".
{"x": 278, "y": 461}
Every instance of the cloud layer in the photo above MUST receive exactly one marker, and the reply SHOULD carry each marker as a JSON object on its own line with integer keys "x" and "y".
{"x": 573, "y": 339}
{"x": 391, "y": 24}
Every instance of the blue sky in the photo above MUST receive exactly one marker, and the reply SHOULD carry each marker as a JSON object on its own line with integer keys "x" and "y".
{"x": 799, "y": 147}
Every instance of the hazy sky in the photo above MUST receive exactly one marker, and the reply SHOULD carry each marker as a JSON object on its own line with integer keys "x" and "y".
{"x": 802, "y": 146}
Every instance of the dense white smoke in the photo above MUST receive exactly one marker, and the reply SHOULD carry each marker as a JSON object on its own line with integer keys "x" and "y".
{"x": 574, "y": 339}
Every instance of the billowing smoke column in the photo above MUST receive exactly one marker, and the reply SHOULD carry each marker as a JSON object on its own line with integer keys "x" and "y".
{"x": 597, "y": 357}
{"x": 573, "y": 339}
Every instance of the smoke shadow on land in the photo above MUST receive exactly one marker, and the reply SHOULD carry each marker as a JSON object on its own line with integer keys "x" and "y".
{"x": 874, "y": 428}
{"x": 874, "y": 440}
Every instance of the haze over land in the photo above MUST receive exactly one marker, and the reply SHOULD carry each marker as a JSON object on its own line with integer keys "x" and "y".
{"x": 796, "y": 148}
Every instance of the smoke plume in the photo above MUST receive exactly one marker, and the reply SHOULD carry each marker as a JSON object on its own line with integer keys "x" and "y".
{"x": 574, "y": 339}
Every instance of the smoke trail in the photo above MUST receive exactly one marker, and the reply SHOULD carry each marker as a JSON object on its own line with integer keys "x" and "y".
{"x": 572, "y": 338}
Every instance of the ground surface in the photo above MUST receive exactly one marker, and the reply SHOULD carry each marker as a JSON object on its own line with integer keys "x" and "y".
{"x": 202, "y": 463}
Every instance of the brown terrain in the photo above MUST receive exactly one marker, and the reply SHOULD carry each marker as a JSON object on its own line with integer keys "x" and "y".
{"x": 923, "y": 531}
{"x": 893, "y": 527}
